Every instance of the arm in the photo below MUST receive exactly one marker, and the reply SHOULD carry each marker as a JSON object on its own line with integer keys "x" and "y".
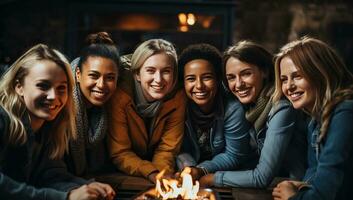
{"x": 278, "y": 135}
{"x": 11, "y": 189}
{"x": 170, "y": 142}
{"x": 119, "y": 144}
{"x": 236, "y": 134}
{"x": 333, "y": 160}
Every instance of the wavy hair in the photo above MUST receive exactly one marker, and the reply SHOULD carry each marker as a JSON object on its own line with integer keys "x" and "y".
{"x": 62, "y": 126}
{"x": 324, "y": 70}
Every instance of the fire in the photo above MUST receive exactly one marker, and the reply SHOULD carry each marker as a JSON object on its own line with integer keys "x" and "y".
{"x": 171, "y": 188}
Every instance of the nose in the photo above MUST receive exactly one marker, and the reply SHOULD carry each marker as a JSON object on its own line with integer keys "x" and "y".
{"x": 290, "y": 85}
{"x": 51, "y": 94}
{"x": 239, "y": 82}
{"x": 100, "y": 82}
{"x": 157, "y": 77}
{"x": 199, "y": 83}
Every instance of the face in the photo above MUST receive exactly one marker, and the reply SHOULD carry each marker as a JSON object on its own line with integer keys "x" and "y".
{"x": 244, "y": 80}
{"x": 44, "y": 91}
{"x": 97, "y": 80}
{"x": 156, "y": 77}
{"x": 200, "y": 83}
{"x": 294, "y": 86}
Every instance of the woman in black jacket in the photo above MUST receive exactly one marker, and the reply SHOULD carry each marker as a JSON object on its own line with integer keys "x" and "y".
{"x": 36, "y": 122}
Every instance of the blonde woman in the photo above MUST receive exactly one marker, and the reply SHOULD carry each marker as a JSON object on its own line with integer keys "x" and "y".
{"x": 313, "y": 77}
{"x": 36, "y": 122}
{"x": 148, "y": 113}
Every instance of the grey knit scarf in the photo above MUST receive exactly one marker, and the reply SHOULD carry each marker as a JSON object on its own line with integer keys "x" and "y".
{"x": 88, "y": 135}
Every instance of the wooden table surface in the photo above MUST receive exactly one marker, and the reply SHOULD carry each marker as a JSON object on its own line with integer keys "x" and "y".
{"x": 128, "y": 187}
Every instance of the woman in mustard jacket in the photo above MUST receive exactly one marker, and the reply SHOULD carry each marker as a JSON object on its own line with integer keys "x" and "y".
{"x": 147, "y": 113}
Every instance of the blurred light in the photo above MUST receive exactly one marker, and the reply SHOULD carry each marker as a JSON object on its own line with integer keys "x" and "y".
{"x": 182, "y": 18}
{"x": 191, "y": 19}
{"x": 184, "y": 28}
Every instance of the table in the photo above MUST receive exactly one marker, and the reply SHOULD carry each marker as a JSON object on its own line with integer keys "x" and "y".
{"x": 129, "y": 186}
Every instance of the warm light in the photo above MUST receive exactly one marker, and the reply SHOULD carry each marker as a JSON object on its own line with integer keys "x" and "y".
{"x": 182, "y": 18}
{"x": 171, "y": 189}
{"x": 184, "y": 28}
{"x": 191, "y": 19}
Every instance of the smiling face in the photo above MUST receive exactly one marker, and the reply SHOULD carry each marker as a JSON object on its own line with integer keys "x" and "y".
{"x": 156, "y": 76}
{"x": 200, "y": 83}
{"x": 97, "y": 80}
{"x": 294, "y": 86}
{"x": 244, "y": 80}
{"x": 44, "y": 91}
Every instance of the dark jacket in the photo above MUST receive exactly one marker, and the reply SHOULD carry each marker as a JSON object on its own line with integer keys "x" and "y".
{"x": 25, "y": 174}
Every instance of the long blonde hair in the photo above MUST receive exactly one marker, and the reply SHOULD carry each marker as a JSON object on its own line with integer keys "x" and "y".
{"x": 63, "y": 126}
{"x": 324, "y": 70}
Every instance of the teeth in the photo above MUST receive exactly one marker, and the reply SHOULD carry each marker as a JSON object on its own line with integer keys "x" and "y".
{"x": 243, "y": 92}
{"x": 294, "y": 95}
{"x": 200, "y": 94}
{"x": 157, "y": 87}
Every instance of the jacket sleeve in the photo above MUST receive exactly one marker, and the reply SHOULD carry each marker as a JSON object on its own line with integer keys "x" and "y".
{"x": 236, "y": 133}
{"x": 278, "y": 135}
{"x": 54, "y": 174}
{"x": 11, "y": 189}
{"x": 169, "y": 145}
{"x": 332, "y": 163}
{"x": 121, "y": 152}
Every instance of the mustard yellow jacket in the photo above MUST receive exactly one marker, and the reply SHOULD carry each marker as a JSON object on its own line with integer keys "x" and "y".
{"x": 128, "y": 140}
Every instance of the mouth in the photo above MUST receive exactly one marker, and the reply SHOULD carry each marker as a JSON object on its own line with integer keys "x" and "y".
{"x": 50, "y": 107}
{"x": 243, "y": 92}
{"x": 157, "y": 87}
{"x": 295, "y": 96}
{"x": 99, "y": 94}
{"x": 200, "y": 95}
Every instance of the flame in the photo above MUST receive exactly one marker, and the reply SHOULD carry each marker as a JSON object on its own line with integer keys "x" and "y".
{"x": 169, "y": 188}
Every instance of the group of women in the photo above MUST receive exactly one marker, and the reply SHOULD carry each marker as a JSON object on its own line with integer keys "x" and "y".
{"x": 236, "y": 120}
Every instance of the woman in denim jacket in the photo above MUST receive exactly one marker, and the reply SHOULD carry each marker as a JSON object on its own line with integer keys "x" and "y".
{"x": 313, "y": 77}
{"x": 277, "y": 130}
{"x": 216, "y": 132}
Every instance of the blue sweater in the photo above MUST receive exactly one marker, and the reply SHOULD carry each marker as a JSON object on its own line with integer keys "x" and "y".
{"x": 284, "y": 133}
{"x": 330, "y": 171}
{"x": 229, "y": 140}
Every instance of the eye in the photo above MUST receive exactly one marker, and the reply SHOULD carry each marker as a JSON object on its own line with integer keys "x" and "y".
{"x": 230, "y": 78}
{"x": 190, "y": 79}
{"x": 93, "y": 76}
{"x": 246, "y": 73}
{"x": 297, "y": 77}
{"x": 283, "y": 80}
{"x": 208, "y": 77}
{"x": 62, "y": 89}
{"x": 167, "y": 71}
{"x": 111, "y": 78}
{"x": 43, "y": 86}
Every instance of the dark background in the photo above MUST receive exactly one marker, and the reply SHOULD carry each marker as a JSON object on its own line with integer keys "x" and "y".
{"x": 272, "y": 23}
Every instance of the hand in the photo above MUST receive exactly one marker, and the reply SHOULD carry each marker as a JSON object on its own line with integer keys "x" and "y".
{"x": 207, "y": 181}
{"x": 152, "y": 177}
{"x": 196, "y": 173}
{"x": 105, "y": 190}
{"x": 285, "y": 190}
{"x": 83, "y": 193}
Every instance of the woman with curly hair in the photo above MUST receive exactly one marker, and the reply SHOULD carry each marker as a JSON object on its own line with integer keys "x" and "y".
{"x": 216, "y": 132}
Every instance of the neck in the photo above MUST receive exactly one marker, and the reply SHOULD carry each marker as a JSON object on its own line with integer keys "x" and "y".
{"x": 36, "y": 123}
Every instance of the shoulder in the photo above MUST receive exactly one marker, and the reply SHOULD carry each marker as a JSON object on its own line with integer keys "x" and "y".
{"x": 282, "y": 105}
{"x": 179, "y": 98}
{"x": 121, "y": 97}
{"x": 346, "y": 105}
{"x": 232, "y": 105}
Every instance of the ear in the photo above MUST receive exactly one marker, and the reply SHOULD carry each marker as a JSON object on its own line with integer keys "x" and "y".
{"x": 78, "y": 74}
{"x": 19, "y": 88}
{"x": 137, "y": 76}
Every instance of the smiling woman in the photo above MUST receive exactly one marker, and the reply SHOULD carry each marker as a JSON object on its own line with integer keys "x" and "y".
{"x": 216, "y": 134}
{"x": 148, "y": 112}
{"x": 96, "y": 74}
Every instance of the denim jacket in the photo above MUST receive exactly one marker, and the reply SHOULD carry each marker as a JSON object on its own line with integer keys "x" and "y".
{"x": 282, "y": 146}
{"x": 22, "y": 177}
{"x": 330, "y": 171}
{"x": 229, "y": 139}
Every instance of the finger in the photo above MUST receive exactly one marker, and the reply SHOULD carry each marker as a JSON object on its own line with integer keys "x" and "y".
{"x": 98, "y": 188}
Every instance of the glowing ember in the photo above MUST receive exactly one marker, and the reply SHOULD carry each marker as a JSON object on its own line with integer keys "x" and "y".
{"x": 172, "y": 189}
